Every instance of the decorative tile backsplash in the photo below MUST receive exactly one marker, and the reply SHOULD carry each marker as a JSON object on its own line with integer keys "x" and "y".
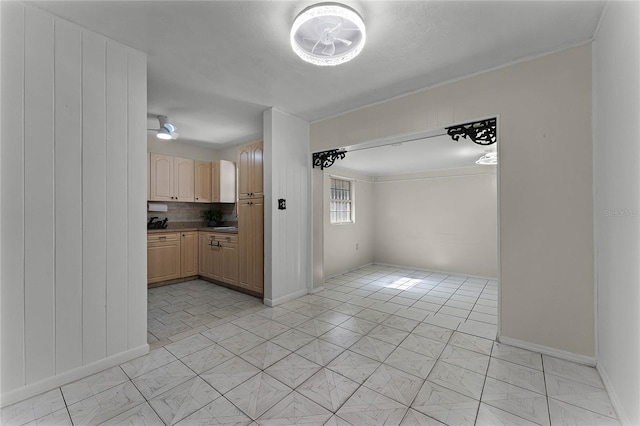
{"x": 190, "y": 212}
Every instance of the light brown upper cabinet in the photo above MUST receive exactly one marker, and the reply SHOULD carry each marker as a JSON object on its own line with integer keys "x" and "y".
{"x": 250, "y": 183}
{"x": 183, "y": 179}
{"x": 171, "y": 178}
{"x": 203, "y": 182}
{"x": 223, "y": 178}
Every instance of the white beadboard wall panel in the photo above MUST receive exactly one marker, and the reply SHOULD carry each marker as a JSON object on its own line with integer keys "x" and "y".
{"x": 94, "y": 197}
{"x": 116, "y": 161}
{"x": 137, "y": 199}
{"x": 286, "y": 176}
{"x": 73, "y": 247}
{"x": 12, "y": 371}
{"x": 68, "y": 195}
{"x": 38, "y": 197}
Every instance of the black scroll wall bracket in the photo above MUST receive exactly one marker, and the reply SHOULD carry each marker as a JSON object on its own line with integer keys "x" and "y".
{"x": 325, "y": 159}
{"x": 482, "y": 132}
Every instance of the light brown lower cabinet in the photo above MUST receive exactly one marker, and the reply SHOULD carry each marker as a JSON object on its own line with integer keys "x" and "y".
{"x": 171, "y": 255}
{"x": 218, "y": 257}
{"x": 188, "y": 254}
{"x": 163, "y": 257}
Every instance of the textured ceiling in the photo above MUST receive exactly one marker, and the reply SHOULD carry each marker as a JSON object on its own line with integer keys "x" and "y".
{"x": 215, "y": 66}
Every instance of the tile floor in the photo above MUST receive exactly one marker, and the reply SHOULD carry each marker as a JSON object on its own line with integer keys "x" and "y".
{"x": 380, "y": 346}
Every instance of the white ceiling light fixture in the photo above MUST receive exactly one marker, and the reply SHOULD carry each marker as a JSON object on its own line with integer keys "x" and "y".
{"x": 328, "y": 34}
{"x": 489, "y": 159}
{"x": 167, "y": 130}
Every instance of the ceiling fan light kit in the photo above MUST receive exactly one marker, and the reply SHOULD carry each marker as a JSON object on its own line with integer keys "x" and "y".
{"x": 328, "y": 34}
{"x": 167, "y": 130}
{"x": 489, "y": 159}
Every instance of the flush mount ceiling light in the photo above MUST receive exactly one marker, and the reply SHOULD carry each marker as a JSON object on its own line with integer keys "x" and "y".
{"x": 167, "y": 130}
{"x": 328, "y": 34}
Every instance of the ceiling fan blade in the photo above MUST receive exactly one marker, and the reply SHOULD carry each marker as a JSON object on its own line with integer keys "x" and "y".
{"x": 343, "y": 40}
{"x": 336, "y": 27}
{"x": 315, "y": 45}
{"x": 329, "y": 49}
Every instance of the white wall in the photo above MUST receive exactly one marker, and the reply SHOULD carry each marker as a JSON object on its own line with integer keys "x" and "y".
{"x": 545, "y": 183}
{"x": 340, "y": 253}
{"x": 616, "y": 68}
{"x": 177, "y": 148}
{"x": 73, "y": 278}
{"x": 287, "y": 232}
{"x": 442, "y": 220}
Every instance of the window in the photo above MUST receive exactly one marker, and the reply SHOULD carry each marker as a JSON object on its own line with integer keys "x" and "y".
{"x": 341, "y": 201}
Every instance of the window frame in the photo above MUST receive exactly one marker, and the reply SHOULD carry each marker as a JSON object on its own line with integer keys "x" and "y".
{"x": 350, "y": 200}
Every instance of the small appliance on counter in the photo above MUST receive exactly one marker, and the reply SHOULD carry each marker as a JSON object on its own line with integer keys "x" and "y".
{"x": 161, "y": 224}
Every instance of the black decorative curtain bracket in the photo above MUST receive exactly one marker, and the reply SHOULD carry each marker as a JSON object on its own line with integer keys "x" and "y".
{"x": 482, "y": 132}
{"x": 325, "y": 159}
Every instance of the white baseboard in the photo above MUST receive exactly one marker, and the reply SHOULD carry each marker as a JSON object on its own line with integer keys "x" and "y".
{"x": 558, "y": 353}
{"x": 613, "y": 396}
{"x": 316, "y": 290}
{"x": 347, "y": 271}
{"x": 287, "y": 298}
{"x": 62, "y": 379}
{"x": 437, "y": 271}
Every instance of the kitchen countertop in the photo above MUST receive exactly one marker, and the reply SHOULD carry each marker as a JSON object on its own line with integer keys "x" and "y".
{"x": 190, "y": 226}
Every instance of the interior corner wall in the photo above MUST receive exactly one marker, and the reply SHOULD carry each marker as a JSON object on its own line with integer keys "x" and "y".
{"x": 73, "y": 182}
{"x": 287, "y": 232}
{"x": 545, "y": 183}
{"x": 616, "y": 67}
{"x": 445, "y": 220}
{"x": 351, "y": 245}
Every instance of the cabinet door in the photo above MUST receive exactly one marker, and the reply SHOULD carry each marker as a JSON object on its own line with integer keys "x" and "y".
{"x": 227, "y": 180}
{"x": 245, "y": 244}
{"x": 244, "y": 171}
{"x": 209, "y": 257}
{"x": 204, "y": 259}
{"x": 148, "y": 176}
{"x": 189, "y": 254}
{"x": 203, "y": 182}
{"x": 163, "y": 261}
{"x": 215, "y": 182}
{"x": 161, "y": 177}
{"x": 257, "y": 221}
{"x": 229, "y": 263}
{"x": 251, "y": 244}
{"x": 257, "y": 187}
{"x": 183, "y": 179}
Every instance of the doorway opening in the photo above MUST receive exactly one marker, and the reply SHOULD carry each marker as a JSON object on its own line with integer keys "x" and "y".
{"x": 422, "y": 228}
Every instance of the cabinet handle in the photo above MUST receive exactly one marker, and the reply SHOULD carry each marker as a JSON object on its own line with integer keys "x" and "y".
{"x": 162, "y": 237}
